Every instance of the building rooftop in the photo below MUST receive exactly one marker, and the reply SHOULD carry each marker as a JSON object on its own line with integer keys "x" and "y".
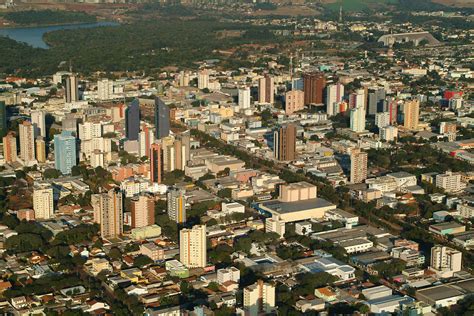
{"x": 439, "y": 292}
{"x": 289, "y": 207}
{"x": 400, "y": 174}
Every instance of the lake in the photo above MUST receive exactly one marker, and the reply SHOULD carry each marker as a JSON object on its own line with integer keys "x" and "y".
{"x": 34, "y": 35}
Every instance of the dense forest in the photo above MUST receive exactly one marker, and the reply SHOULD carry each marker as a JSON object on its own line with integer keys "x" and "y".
{"x": 148, "y": 45}
{"x": 48, "y": 17}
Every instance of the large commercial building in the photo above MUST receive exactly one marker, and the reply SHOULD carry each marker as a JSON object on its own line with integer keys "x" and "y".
{"x": 358, "y": 166}
{"x": 156, "y": 165}
{"x": 65, "y": 152}
{"x": 27, "y": 143}
{"x": 411, "y": 114}
{"x": 294, "y": 101}
{"x": 143, "y": 211}
{"x": 162, "y": 119}
{"x": 192, "y": 247}
{"x": 132, "y": 120}
{"x": 313, "y": 85}
{"x": 108, "y": 212}
{"x": 259, "y": 298}
{"x": 176, "y": 204}
{"x": 10, "y": 150}
{"x": 71, "y": 89}
{"x": 266, "y": 90}
{"x": 285, "y": 143}
{"x": 43, "y": 203}
{"x": 288, "y": 212}
{"x": 38, "y": 119}
{"x": 445, "y": 261}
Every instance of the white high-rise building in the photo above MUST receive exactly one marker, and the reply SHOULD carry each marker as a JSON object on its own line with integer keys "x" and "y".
{"x": 95, "y": 145}
{"x": 388, "y": 133}
{"x": 183, "y": 78}
{"x": 43, "y": 203}
{"x": 58, "y": 77}
{"x": 192, "y": 247}
{"x": 275, "y": 225}
{"x": 230, "y": 274}
{"x": 358, "y": 119}
{"x": 144, "y": 138}
{"x": 382, "y": 119}
{"x": 334, "y": 96}
{"x": 176, "y": 205}
{"x": 450, "y": 182}
{"x": 89, "y": 130}
{"x": 203, "y": 79}
{"x": 38, "y": 118}
{"x": 357, "y": 99}
{"x": 259, "y": 298}
{"x": 244, "y": 98}
{"x": 445, "y": 261}
{"x": 105, "y": 89}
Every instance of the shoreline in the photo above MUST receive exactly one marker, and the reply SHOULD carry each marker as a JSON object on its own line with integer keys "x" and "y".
{"x": 32, "y": 26}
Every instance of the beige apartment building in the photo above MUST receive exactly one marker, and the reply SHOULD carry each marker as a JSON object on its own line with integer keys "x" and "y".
{"x": 358, "y": 166}
{"x": 143, "y": 211}
{"x": 411, "y": 112}
{"x": 108, "y": 212}
{"x": 298, "y": 191}
{"x": 259, "y": 298}
{"x": 43, "y": 203}
{"x": 192, "y": 247}
{"x": 294, "y": 101}
{"x": 445, "y": 261}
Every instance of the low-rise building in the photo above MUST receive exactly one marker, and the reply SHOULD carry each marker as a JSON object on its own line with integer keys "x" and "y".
{"x": 153, "y": 251}
{"x": 356, "y": 245}
{"x": 447, "y": 228}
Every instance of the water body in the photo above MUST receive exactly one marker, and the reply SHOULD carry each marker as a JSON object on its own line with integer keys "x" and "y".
{"x": 33, "y": 36}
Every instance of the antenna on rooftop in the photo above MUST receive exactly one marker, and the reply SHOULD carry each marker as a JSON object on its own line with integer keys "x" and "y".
{"x": 340, "y": 14}
{"x": 291, "y": 66}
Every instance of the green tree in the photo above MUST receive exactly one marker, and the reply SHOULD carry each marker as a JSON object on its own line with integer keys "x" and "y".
{"x": 51, "y": 173}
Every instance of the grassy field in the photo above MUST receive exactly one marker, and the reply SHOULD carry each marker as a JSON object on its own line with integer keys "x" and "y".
{"x": 356, "y": 5}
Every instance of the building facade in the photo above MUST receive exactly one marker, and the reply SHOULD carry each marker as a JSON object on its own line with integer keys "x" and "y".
{"x": 285, "y": 143}
{"x": 192, "y": 247}
{"x": 65, "y": 152}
